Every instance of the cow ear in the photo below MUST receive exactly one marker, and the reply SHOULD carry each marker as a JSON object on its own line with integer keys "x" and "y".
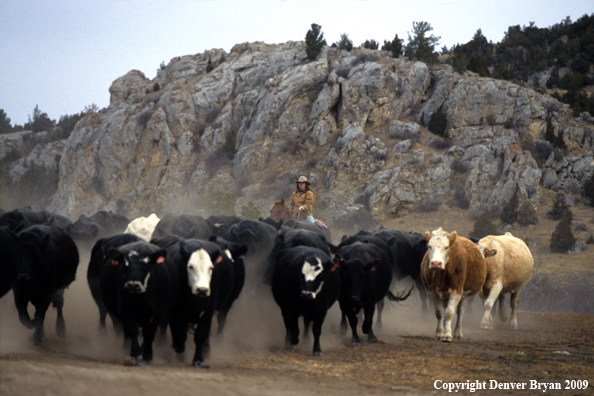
{"x": 332, "y": 248}
{"x": 213, "y": 238}
{"x": 159, "y": 256}
{"x": 216, "y": 257}
{"x": 344, "y": 238}
{"x": 114, "y": 256}
{"x": 427, "y": 236}
{"x": 184, "y": 251}
{"x": 490, "y": 252}
{"x": 453, "y": 237}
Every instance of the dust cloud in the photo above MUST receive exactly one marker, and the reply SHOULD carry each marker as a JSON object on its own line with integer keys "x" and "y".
{"x": 254, "y": 327}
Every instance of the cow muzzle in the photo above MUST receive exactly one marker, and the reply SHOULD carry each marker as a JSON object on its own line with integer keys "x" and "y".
{"x": 134, "y": 287}
{"x": 436, "y": 264}
{"x": 201, "y": 291}
{"x": 311, "y": 295}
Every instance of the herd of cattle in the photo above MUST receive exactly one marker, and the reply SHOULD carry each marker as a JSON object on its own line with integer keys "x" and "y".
{"x": 179, "y": 271}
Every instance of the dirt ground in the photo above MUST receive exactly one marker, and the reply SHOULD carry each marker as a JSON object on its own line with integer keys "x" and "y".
{"x": 251, "y": 359}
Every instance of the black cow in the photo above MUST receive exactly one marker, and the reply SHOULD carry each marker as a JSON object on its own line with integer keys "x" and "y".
{"x": 293, "y": 237}
{"x": 97, "y": 262}
{"x": 10, "y": 260}
{"x": 21, "y": 218}
{"x": 305, "y": 283}
{"x": 306, "y": 225}
{"x": 184, "y": 225}
{"x": 259, "y": 239}
{"x": 111, "y": 223}
{"x": 408, "y": 250}
{"x": 85, "y": 230}
{"x": 147, "y": 286}
{"x": 48, "y": 262}
{"x": 366, "y": 275}
{"x": 270, "y": 221}
{"x": 221, "y": 223}
{"x": 208, "y": 278}
{"x": 56, "y": 220}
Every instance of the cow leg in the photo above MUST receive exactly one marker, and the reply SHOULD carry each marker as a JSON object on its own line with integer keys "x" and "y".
{"x": 422, "y": 293}
{"x": 343, "y": 324}
{"x": 450, "y": 308}
{"x": 58, "y": 303}
{"x": 292, "y": 327}
{"x": 368, "y": 322}
{"x": 306, "y": 326}
{"x": 40, "y": 311}
{"x": 148, "y": 336}
{"x": 221, "y": 320}
{"x": 179, "y": 335}
{"x": 487, "y": 322}
{"x": 460, "y": 315}
{"x": 380, "y": 308}
{"x": 515, "y": 301}
{"x": 317, "y": 331}
{"x": 502, "y": 310}
{"x": 201, "y": 339}
{"x": 439, "y": 314}
{"x": 21, "y": 302}
{"x": 132, "y": 330}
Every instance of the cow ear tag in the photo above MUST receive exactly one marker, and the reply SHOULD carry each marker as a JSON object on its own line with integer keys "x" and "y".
{"x": 114, "y": 262}
{"x": 219, "y": 259}
{"x": 372, "y": 268}
{"x": 160, "y": 260}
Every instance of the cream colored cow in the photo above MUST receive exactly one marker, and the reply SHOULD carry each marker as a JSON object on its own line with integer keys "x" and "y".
{"x": 143, "y": 227}
{"x": 509, "y": 266}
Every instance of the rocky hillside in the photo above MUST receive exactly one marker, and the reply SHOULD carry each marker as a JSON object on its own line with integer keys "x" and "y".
{"x": 248, "y": 122}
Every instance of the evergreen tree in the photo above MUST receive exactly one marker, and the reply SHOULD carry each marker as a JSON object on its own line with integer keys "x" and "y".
{"x": 4, "y": 122}
{"x": 370, "y": 44}
{"x": 344, "y": 43}
{"x": 394, "y": 46}
{"x": 314, "y": 41}
{"x": 562, "y": 238}
{"x": 39, "y": 121}
{"x": 438, "y": 123}
{"x": 421, "y": 46}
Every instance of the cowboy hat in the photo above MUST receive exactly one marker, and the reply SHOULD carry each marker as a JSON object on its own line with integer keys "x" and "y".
{"x": 302, "y": 179}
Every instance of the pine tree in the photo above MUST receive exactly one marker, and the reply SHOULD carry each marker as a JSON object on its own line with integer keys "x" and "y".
{"x": 314, "y": 41}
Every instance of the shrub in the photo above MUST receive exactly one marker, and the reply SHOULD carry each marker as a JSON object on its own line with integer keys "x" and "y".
{"x": 438, "y": 123}
{"x": 394, "y": 46}
{"x": 541, "y": 151}
{"x": 440, "y": 144}
{"x": 250, "y": 211}
{"x": 460, "y": 199}
{"x": 509, "y": 214}
{"x": 344, "y": 43}
{"x": 458, "y": 166}
{"x": 589, "y": 189}
{"x": 429, "y": 205}
{"x": 483, "y": 226}
{"x": 370, "y": 44}
{"x": 362, "y": 58}
{"x": 555, "y": 140}
{"x": 144, "y": 117}
{"x": 562, "y": 238}
{"x": 222, "y": 202}
{"x": 527, "y": 214}
{"x": 560, "y": 209}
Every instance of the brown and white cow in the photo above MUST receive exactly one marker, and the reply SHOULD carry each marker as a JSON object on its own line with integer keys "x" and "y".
{"x": 452, "y": 270}
{"x": 509, "y": 266}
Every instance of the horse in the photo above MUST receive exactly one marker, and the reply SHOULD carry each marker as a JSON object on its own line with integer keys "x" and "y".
{"x": 281, "y": 211}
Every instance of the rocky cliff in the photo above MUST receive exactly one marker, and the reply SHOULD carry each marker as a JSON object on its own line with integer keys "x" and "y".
{"x": 250, "y": 121}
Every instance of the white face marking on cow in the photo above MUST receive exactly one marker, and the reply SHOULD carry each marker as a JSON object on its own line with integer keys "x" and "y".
{"x": 228, "y": 253}
{"x": 438, "y": 247}
{"x": 310, "y": 271}
{"x": 200, "y": 272}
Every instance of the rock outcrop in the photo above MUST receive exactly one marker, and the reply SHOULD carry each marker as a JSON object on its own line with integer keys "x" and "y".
{"x": 249, "y": 121}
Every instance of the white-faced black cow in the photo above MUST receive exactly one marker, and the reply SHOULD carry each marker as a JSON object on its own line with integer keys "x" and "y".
{"x": 147, "y": 286}
{"x": 97, "y": 262}
{"x": 366, "y": 275}
{"x": 10, "y": 260}
{"x": 304, "y": 283}
{"x": 47, "y": 265}
{"x": 208, "y": 279}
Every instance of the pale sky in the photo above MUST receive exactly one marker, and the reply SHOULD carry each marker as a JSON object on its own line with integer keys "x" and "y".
{"x": 63, "y": 55}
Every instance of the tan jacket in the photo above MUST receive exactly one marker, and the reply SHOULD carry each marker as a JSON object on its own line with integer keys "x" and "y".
{"x": 305, "y": 199}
